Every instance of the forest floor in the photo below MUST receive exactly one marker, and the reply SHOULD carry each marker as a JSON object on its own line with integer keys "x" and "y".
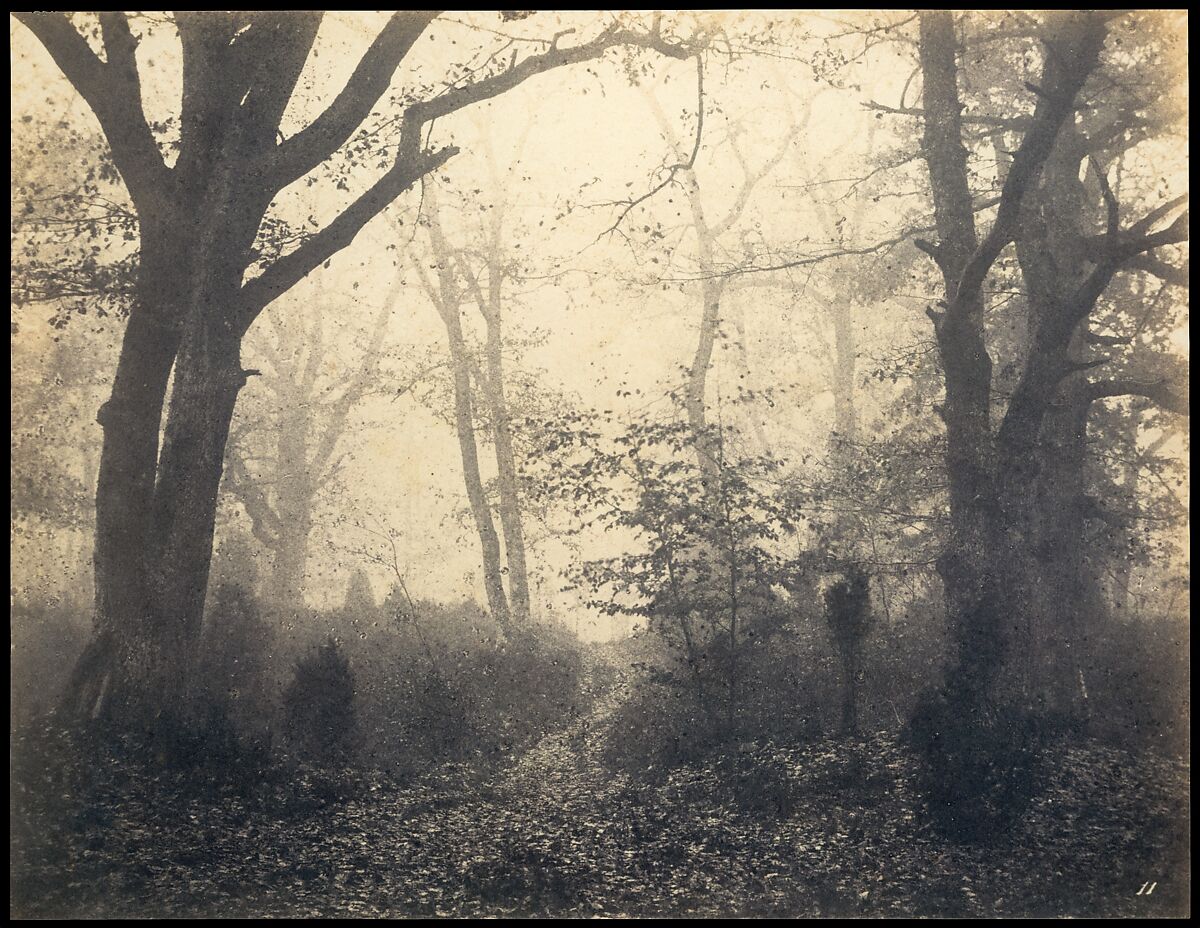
{"x": 824, "y": 829}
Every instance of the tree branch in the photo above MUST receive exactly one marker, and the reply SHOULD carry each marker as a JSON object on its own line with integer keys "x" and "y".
{"x": 264, "y": 522}
{"x": 286, "y": 271}
{"x": 312, "y": 145}
{"x": 1067, "y": 69}
{"x": 519, "y": 71}
{"x": 1014, "y": 124}
{"x": 1156, "y": 267}
{"x": 1158, "y": 392}
{"x": 113, "y": 91}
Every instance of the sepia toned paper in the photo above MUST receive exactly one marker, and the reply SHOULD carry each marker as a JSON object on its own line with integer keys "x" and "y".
{"x": 599, "y": 464}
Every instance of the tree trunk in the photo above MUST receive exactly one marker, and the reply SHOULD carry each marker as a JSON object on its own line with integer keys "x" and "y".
{"x": 156, "y": 509}
{"x": 208, "y": 379}
{"x": 696, "y": 389}
{"x": 966, "y": 566}
{"x": 124, "y": 553}
{"x": 511, "y": 521}
{"x": 1043, "y": 441}
{"x": 464, "y": 420}
{"x": 294, "y": 494}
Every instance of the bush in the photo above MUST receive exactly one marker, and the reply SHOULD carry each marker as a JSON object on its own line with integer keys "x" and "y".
{"x": 319, "y": 711}
{"x": 1137, "y": 678}
{"x": 233, "y": 665}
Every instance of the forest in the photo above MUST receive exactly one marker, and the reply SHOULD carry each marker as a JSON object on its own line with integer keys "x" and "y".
{"x": 599, "y": 464}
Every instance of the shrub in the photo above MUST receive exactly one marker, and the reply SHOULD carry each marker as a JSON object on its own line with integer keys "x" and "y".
{"x": 319, "y": 710}
{"x": 234, "y": 654}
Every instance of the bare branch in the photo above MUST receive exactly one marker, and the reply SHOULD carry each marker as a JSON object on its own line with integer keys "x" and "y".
{"x": 1015, "y": 124}
{"x": 1156, "y": 267}
{"x": 486, "y": 88}
{"x": 674, "y": 169}
{"x": 264, "y": 522}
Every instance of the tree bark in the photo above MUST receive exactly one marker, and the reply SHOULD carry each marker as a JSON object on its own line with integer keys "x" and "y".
{"x": 124, "y": 514}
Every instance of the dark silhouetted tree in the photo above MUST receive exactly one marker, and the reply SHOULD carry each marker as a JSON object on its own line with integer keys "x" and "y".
{"x": 848, "y": 612}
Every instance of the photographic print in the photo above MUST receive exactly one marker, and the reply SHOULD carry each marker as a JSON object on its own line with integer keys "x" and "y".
{"x": 611, "y": 464}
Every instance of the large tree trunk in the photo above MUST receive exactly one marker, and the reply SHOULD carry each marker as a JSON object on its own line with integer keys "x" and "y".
{"x": 208, "y": 379}
{"x": 1043, "y": 444}
{"x": 156, "y": 509}
{"x": 124, "y": 553}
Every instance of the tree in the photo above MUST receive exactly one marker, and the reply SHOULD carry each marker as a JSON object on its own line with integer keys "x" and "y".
{"x": 447, "y": 297}
{"x": 306, "y": 416}
{"x": 710, "y": 232}
{"x": 990, "y": 471}
{"x": 198, "y": 221}
{"x": 1015, "y": 515}
{"x": 706, "y": 546}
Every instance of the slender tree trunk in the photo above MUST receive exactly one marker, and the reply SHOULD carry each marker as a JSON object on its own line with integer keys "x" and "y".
{"x": 447, "y": 299}
{"x": 464, "y": 420}
{"x": 294, "y": 494}
{"x": 711, "y": 289}
{"x": 511, "y": 521}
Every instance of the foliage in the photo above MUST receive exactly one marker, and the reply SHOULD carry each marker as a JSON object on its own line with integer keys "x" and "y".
{"x": 439, "y": 683}
{"x": 706, "y": 564}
